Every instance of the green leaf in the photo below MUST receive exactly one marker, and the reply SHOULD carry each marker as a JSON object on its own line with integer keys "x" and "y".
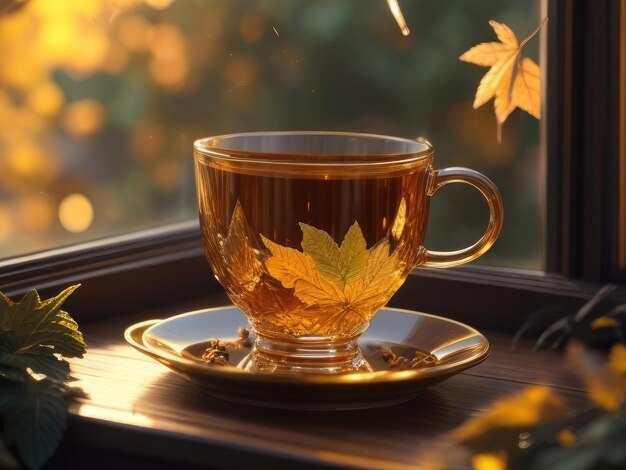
{"x": 41, "y": 360}
{"x": 34, "y": 337}
{"x": 338, "y": 264}
{"x": 34, "y": 425}
{"x": 10, "y": 392}
{"x": 7, "y": 460}
{"x": 33, "y": 322}
{"x": 10, "y": 373}
{"x": 322, "y": 248}
{"x": 354, "y": 253}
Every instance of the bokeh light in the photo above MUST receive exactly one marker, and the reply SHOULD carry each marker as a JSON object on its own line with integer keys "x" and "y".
{"x": 133, "y": 32}
{"x": 166, "y": 174}
{"x": 148, "y": 140}
{"x": 252, "y": 27}
{"x": 241, "y": 70}
{"x": 168, "y": 65}
{"x": 116, "y": 60}
{"x": 6, "y": 223}
{"x": 76, "y": 213}
{"x": 26, "y": 165}
{"x": 103, "y": 98}
{"x": 159, "y": 4}
{"x": 83, "y": 117}
{"x": 46, "y": 99}
{"x": 35, "y": 214}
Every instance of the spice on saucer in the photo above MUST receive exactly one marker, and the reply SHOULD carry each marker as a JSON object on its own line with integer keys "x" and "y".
{"x": 400, "y": 362}
{"x": 217, "y": 352}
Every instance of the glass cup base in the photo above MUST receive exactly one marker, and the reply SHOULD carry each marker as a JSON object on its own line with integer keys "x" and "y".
{"x": 305, "y": 355}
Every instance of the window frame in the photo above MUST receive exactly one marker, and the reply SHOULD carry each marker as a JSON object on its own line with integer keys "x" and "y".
{"x": 166, "y": 265}
{"x": 582, "y": 135}
{"x": 619, "y": 119}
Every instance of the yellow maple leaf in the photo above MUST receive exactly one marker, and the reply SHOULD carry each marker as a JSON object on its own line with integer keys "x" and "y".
{"x": 489, "y": 461}
{"x": 297, "y": 270}
{"x": 379, "y": 278}
{"x": 603, "y": 322}
{"x": 241, "y": 259}
{"x": 348, "y": 278}
{"x": 533, "y": 406}
{"x": 606, "y": 384}
{"x": 514, "y": 80}
{"x": 617, "y": 360}
{"x": 566, "y": 438}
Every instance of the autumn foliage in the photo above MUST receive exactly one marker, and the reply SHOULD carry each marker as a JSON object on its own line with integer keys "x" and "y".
{"x": 514, "y": 80}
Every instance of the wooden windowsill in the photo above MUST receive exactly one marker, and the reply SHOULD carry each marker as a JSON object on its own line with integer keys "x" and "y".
{"x": 139, "y": 412}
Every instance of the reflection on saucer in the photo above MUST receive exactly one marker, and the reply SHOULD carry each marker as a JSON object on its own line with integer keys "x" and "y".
{"x": 424, "y": 349}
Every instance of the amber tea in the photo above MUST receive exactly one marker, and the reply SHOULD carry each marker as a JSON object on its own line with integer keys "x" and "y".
{"x": 310, "y": 256}
{"x": 311, "y": 233}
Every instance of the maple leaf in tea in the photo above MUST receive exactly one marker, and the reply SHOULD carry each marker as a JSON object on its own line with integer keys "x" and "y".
{"x": 297, "y": 270}
{"x": 379, "y": 278}
{"x": 236, "y": 248}
{"x": 514, "y": 80}
{"x": 325, "y": 289}
{"x": 339, "y": 264}
{"x": 349, "y": 281}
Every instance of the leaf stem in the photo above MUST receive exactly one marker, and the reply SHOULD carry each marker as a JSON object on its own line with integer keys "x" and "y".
{"x": 534, "y": 33}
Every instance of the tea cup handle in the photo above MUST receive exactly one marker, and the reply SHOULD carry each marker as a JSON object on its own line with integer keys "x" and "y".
{"x": 439, "y": 178}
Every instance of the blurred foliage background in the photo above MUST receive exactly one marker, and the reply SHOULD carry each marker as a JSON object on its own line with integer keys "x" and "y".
{"x": 101, "y": 100}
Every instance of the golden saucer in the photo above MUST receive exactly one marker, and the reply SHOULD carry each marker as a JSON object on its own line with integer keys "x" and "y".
{"x": 179, "y": 342}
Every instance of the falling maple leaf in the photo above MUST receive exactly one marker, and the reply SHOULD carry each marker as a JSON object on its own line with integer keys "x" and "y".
{"x": 514, "y": 80}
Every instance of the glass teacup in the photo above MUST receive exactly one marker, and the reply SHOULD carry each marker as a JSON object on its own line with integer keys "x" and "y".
{"x": 311, "y": 233}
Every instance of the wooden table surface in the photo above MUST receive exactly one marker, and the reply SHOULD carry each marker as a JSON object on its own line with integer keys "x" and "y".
{"x": 139, "y": 412}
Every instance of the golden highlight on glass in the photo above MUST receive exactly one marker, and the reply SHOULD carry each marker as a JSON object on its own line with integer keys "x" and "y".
{"x": 310, "y": 233}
